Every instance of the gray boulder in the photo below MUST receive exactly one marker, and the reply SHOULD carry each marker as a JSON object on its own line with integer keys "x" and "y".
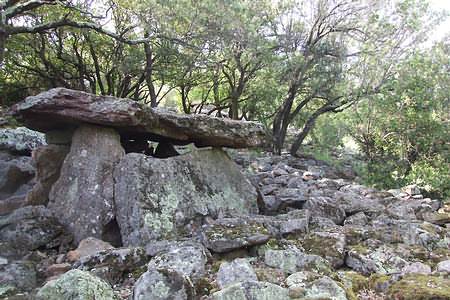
{"x": 31, "y": 227}
{"x": 326, "y": 207}
{"x": 16, "y": 180}
{"x": 229, "y": 234}
{"x": 188, "y": 259}
{"x": 162, "y": 284}
{"x": 76, "y": 285}
{"x": 161, "y": 198}
{"x": 236, "y": 271}
{"x": 83, "y": 196}
{"x": 20, "y": 140}
{"x": 250, "y": 290}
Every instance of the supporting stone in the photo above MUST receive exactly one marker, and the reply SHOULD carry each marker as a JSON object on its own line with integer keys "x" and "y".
{"x": 82, "y": 198}
{"x": 160, "y": 198}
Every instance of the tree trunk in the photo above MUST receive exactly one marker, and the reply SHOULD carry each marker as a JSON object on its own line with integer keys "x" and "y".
{"x": 234, "y": 108}
{"x": 149, "y": 72}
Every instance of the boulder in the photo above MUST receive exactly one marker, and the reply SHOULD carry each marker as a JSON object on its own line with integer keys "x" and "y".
{"x": 60, "y": 108}
{"x": 87, "y": 247}
{"x": 114, "y": 265}
{"x": 329, "y": 245}
{"x": 83, "y": 196}
{"x": 326, "y": 207}
{"x": 16, "y": 180}
{"x": 20, "y": 140}
{"x": 162, "y": 198}
{"x": 21, "y": 276}
{"x": 443, "y": 266}
{"x": 236, "y": 271}
{"x": 31, "y": 227}
{"x": 76, "y": 284}
{"x": 229, "y": 234}
{"x": 162, "y": 284}
{"x": 48, "y": 161}
{"x": 250, "y": 290}
{"x": 188, "y": 259}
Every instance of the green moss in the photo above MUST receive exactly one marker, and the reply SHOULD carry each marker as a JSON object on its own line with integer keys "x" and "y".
{"x": 353, "y": 280}
{"x": 204, "y": 286}
{"x": 420, "y": 287}
{"x": 379, "y": 282}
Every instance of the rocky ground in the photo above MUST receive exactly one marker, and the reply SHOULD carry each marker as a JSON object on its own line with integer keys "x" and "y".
{"x": 318, "y": 235}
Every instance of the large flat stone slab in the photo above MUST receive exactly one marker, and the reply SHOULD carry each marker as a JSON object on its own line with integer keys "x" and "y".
{"x": 59, "y": 108}
{"x": 159, "y": 198}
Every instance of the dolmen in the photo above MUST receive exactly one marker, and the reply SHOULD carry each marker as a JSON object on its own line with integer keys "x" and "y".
{"x": 101, "y": 178}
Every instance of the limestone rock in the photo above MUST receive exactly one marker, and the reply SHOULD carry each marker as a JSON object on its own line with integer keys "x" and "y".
{"x": 285, "y": 260}
{"x": 82, "y": 198}
{"x": 162, "y": 284}
{"x": 20, "y": 140}
{"x": 238, "y": 270}
{"x": 250, "y": 290}
{"x": 76, "y": 284}
{"x": 158, "y": 198}
{"x": 324, "y": 288}
{"x": 59, "y": 108}
{"x": 47, "y": 161}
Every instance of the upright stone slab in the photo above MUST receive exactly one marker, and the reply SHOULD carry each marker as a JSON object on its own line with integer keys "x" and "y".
{"x": 156, "y": 198}
{"x": 47, "y": 161}
{"x": 82, "y": 198}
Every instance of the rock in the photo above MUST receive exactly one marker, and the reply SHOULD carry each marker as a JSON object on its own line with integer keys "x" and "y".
{"x": 328, "y": 245}
{"x": 294, "y": 222}
{"x": 250, "y": 290}
{"x": 285, "y": 260}
{"x": 31, "y": 227}
{"x": 88, "y": 246}
{"x": 416, "y": 286}
{"x": 47, "y": 161}
{"x": 16, "y": 174}
{"x": 417, "y": 268}
{"x": 114, "y": 265}
{"x": 356, "y": 219}
{"x": 19, "y": 275}
{"x": 443, "y": 266}
{"x": 411, "y": 190}
{"x": 83, "y": 196}
{"x": 324, "y": 288}
{"x": 162, "y": 284}
{"x": 188, "y": 259}
{"x": 59, "y": 107}
{"x": 76, "y": 284}
{"x": 238, "y": 270}
{"x": 327, "y": 208}
{"x": 55, "y": 270}
{"x": 229, "y": 234}
{"x": 382, "y": 260}
{"x": 158, "y": 198}
{"x": 20, "y": 140}
{"x": 294, "y": 198}
{"x": 438, "y": 218}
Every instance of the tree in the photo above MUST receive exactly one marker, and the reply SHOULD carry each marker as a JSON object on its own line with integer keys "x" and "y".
{"x": 328, "y": 53}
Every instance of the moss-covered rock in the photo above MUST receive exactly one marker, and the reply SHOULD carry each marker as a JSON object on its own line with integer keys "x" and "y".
{"x": 252, "y": 290}
{"x": 420, "y": 287}
{"x": 328, "y": 245}
{"x": 76, "y": 285}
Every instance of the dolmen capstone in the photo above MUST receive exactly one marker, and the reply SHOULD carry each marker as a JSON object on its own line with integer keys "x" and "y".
{"x": 111, "y": 185}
